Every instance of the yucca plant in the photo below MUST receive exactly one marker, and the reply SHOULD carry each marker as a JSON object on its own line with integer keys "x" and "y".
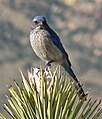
{"x": 47, "y": 95}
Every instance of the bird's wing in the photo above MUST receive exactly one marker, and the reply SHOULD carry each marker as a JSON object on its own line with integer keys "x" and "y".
{"x": 56, "y": 40}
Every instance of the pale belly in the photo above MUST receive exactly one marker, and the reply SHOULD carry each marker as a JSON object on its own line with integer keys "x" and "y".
{"x": 45, "y": 49}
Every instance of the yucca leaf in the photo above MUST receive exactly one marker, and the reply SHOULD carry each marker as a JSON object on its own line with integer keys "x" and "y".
{"x": 26, "y": 84}
{"x": 70, "y": 104}
{"x": 6, "y": 107}
{"x": 84, "y": 109}
{"x": 40, "y": 107}
{"x": 54, "y": 99}
{"x": 49, "y": 106}
{"x": 15, "y": 95}
{"x": 97, "y": 114}
{"x": 28, "y": 107}
{"x": 94, "y": 108}
{"x": 76, "y": 109}
{"x": 2, "y": 116}
{"x": 45, "y": 98}
{"x": 57, "y": 106}
{"x": 65, "y": 109}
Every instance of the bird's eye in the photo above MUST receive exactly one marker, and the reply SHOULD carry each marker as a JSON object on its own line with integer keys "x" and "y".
{"x": 36, "y": 22}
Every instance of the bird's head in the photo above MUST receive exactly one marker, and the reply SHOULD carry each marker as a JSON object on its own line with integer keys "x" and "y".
{"x": 38, "y": 21}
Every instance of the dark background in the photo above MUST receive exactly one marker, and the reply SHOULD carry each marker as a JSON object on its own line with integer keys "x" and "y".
{"x": 79, "y": 25}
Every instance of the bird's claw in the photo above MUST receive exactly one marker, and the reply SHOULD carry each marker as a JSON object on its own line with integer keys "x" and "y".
{"x": 47, "y": 66}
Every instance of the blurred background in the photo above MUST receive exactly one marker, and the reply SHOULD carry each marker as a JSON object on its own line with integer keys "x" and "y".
{"x": 79, "y": 25}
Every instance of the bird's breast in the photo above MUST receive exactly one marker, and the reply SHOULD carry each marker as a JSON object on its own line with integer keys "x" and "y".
{"x": 43, "y": 46}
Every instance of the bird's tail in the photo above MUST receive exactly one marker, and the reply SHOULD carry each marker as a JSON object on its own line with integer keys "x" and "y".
{"x": 77, "y": 83}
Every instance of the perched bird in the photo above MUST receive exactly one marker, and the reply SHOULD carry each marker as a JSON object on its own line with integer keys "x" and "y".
{"x": 47, "y": 45}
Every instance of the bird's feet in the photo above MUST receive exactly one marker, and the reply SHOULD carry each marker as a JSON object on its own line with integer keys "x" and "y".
{"x": 48, "y": 65}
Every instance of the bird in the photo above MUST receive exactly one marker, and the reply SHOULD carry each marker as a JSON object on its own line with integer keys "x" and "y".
{"x": 47, "y": 45}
